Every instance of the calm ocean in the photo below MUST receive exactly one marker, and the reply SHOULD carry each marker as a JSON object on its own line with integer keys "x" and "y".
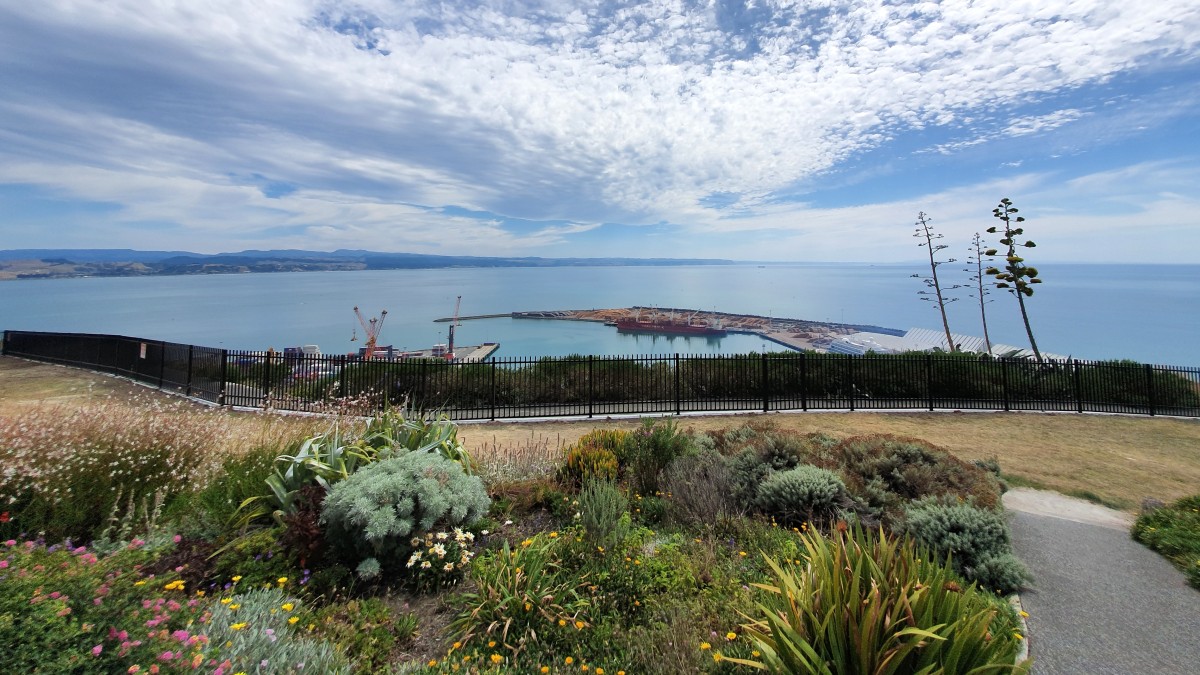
{"x": 1148, "y": 313}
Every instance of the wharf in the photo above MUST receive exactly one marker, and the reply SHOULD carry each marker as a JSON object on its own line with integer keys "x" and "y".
{"x": 797, "y": 334}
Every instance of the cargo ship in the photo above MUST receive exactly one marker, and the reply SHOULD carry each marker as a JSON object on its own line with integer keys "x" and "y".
{"x": 668, "y": 327}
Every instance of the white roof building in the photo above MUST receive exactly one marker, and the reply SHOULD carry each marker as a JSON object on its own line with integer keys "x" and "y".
{"x": 924, "y": 340}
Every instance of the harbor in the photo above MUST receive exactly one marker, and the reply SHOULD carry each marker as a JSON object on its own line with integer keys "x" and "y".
{"x": 795, "y": 334}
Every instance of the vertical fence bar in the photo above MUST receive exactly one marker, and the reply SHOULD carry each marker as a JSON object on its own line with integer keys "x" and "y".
{"x": 929, "y": 379}
{"x": 853, "y": 389}
{"x": 766, "y": 389}
{"x": 191, "y": 356}
{"x": 1078, "y": 386}
{"x": 162, "y": 361}
{"x": 803, "y": 381}
{"x": 1150, "y": 387}
{"x": 678, "y": 393}
{"x": 224, "y": 377}
{"x": 1004, "y": 382}
{"x": 492, "y": 386}
{"x": 591, "y": 383}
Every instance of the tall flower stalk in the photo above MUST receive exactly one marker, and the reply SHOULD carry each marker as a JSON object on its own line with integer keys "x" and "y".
{"x": 934, "y": 291}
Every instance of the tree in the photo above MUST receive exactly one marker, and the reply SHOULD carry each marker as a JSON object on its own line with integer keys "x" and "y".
{"x": 975, "y": 267}
{"x": 1016, "y": 276}
{"x": 934, "y": 291}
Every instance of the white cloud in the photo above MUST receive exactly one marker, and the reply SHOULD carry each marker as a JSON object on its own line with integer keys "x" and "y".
{"x": 378, "y": 113}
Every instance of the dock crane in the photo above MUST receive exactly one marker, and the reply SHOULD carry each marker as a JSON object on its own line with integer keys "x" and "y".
{"x": 450, "y": 337}
{"x": 370, "y": 332}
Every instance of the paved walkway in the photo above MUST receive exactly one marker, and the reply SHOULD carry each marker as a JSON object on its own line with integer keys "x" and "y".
{"x": 1100, "y": 603}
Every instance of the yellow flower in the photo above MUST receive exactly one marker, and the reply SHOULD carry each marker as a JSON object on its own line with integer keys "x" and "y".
{"x": 569, "y": 660}
{"x": 756, "y": 653}
{"x": 432, "y": 662}
{"x": 579, "y": 625}
{"x": 199, "y": 594}
{"x": 491, "y": 643}
{"x": 527, "y": 543}
{"x": 717, "y": 657}
{"x": 496, "y": 658}
{"x": 237, "y": 578}
{"x": 282, "y": 580}
{"x": 731, "y": 635}
{"x": 562, "y": 622}
{"x": 293, "y": 620}
{"x": 226, "y": 601}
{"x": 600, "y": 549}
{"x": 583, "y": 667}
{"x": 704, "y": 646}
{"x": 528, "y": 607}
{"x": 287, "y": 606}
{"x": 234, "y": 606}
{"x": 139, "y": 583}
{"x": 456, "y": 645}
{"x": 1024, "y": 614}
{"x": 599, "y": 671}
{"x": 554, "y": 535}
{"x": 545, "y": 669}
{"x": 742, "y": 553}
{"x": 238, "y": 626}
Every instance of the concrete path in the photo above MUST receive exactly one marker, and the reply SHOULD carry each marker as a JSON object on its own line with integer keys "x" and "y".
{"x": 1100, "y": 603}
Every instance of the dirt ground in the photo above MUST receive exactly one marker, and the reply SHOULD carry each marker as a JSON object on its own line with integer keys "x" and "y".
{"x": 1119, "y": 460}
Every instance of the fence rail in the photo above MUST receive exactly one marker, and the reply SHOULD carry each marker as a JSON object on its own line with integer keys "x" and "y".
{"x": 612, "y": 385}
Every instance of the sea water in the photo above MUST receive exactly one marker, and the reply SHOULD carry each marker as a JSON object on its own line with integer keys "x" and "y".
{"x": 1148, "y": 313}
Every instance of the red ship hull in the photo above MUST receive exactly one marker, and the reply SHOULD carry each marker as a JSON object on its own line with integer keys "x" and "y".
{"x": 667, "y": 328}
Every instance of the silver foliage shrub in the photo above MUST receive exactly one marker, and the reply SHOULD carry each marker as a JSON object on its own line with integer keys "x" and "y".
{"x": 374, "y": 515}
{"x": 805, "y": 494}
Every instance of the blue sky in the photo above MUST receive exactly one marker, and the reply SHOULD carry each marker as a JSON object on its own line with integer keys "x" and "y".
{"x": 781, "y": 131}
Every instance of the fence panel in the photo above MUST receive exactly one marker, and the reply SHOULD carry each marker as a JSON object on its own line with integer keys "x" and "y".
{"x": 623, "y": 385}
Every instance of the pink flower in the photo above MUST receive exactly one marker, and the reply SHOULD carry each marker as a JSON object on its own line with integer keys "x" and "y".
{"x": 11, "y": 542}
{"x": 181, "y": 635}
{"x": 133, "y": 669}
{"x": 178, "y": 538}
{"x": 3, "y": 564}
{"x": 97, "y": 649}
{"x": 166, "y": 656}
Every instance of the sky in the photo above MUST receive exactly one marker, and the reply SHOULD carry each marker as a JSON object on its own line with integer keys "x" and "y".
{"x": 760, "y": 131}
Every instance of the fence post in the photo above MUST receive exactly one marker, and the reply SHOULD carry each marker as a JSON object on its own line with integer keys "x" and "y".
{"x": 492, "y": 386}
{"x": 803, "y": 381}
{"x": 191, "y": 354}
{"x": 591, "y": 381}
{"x": 4, "y": 345}
{"x": 766, "y": 388}
{"x": 1004, "y": 382}
{"x": 1078, "y": 387}
{"x": 853, "y": 386}
{"x": 267, "y": 366}
{"x": 1150, "y": 387}
{"x": 162, "y": 362}
{"x": 224, "y": 376}
{"x": 678, "y": 410}
{"x": 929, "y": 379}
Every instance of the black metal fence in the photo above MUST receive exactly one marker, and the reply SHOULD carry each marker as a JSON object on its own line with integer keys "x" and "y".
{"x": 612, "y": 385}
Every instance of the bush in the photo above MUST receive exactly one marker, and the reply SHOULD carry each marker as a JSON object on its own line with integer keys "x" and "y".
{"x": 66, "y": 469}
{"x": 252, "y": 633}
{"x": 700, "y": 489}
{"x": 805, "y": 494}
{"x": 887, "y": 472}
{"x": 373, "y": 514}
{"x": 905, "y": 612}
{"x": 257, "y": 557}
{"x": 603, "y": 513}
{"x": 652, "y": 448}
{"x": 586, "y": 463}
{"x": 1174, "y": 531}
{"x": 615, "y": 441}
{"x": 522, "y": 600}
{"x": 977, "y": 540}
{"x": 365, "y": 629}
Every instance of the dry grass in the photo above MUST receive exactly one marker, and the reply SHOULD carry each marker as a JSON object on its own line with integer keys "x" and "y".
{"x": 1119, "y": 459}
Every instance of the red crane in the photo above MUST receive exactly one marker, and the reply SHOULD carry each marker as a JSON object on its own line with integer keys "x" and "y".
{"x": 450, "y": 338}
{"x": 371, "y": 331}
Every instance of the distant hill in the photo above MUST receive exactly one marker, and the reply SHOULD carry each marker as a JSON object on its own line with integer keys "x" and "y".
{"x": 62, "y": 263}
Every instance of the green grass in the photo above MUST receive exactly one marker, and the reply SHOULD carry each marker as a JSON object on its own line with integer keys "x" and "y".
{"x": 1174, "y": 531}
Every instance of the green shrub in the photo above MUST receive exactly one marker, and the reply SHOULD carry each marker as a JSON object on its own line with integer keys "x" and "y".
{"x": 603, "y": 513}
{"x": 365, "y": 629}
{"x": 977, "y": 540}
{"x": 253, "y": 630}
{"x": 805, "y": 494}
{"x": 209, "y": 511}
{"x": 746, "y": 472}
{"x": 372, "y": 515}
{"x": 699, "y": 489}
{"x": 887, "y": 472}
{"x": 586, "y": 463}
{"x": 651, "y": 450}
{"x": 615, "y": 441}
{"x": 257, "y": 557}
{"x": 523, "y": 600}
{"x": 868, "y": 603}
{"x": 1174, "y": 531}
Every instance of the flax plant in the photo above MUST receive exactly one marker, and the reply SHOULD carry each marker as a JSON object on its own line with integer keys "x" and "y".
{"x": 868, "y": 603}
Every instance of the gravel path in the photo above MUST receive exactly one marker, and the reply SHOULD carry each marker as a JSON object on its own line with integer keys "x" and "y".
{"x": 1100, "y": 602}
